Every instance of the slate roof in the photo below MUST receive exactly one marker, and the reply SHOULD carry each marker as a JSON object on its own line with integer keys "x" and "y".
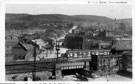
{"x": 27, "y": 46}
{"x": 127, "y": 53}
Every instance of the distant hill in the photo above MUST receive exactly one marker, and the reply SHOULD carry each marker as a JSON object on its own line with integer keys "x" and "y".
{"x": 126, "y": 21}
{"x": 76, "y": 19}
{"x": 58, "y": 17}
{"x": 13, "y": 18}
{"x": 17, "y": 18}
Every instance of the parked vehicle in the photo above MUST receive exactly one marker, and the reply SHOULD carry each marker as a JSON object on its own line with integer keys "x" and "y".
{"x": 81, "y": 77}
{"x": 91, "y": 74}
{"x": 96, "y": 75}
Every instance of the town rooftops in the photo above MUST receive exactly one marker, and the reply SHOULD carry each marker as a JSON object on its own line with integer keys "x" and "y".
{"x": 72, "y": 35}
{"x": 11, "y": 42}
{"x": 127, "y": 53}
{"x": 39, "y": 41}
{"x": 103, "y": 43}
{"x": 122, "y": 45}
{"x": 124, "y": 39}
{"x": 27, "y": 46}
{"x": 61, "y": 40}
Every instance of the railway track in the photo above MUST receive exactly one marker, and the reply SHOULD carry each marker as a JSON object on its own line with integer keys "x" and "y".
{"x": 42, "y": 65}
{"x": 23, "y": 67}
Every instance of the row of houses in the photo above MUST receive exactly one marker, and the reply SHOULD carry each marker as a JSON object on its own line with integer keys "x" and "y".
{"x": 22, "y": 49}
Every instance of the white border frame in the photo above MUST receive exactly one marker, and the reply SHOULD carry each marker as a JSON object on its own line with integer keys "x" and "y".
{"x": 2, "y": 32}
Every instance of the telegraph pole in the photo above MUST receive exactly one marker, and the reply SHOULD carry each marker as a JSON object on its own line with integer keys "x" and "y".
{"x": 34, "y": 63}
{"x": 57, "y": 53}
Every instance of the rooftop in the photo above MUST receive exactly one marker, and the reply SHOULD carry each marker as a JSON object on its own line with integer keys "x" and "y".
{"x": 27, "y": 46}
{"x": 127, "y": 53}
{"x": 104, "y": 43}
{"x": 122, "y": 45}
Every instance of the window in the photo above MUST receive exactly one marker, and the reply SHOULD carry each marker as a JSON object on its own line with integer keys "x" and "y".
{"x": 75, "y": 54}
{"x": 97, "y": 53}
{"x": 89, "y": 54}
{"x": 70, "y": 54}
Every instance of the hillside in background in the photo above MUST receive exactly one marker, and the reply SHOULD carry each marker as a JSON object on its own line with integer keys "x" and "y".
{"x": 85, "y": 20}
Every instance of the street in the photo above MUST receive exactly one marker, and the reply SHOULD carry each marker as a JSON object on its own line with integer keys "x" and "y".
{"x": 103, "y": 78}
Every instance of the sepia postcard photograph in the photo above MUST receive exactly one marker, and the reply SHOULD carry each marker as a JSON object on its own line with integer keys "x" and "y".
{"x": 68, "y": 42}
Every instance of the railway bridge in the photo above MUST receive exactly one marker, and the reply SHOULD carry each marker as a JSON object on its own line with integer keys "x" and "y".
{"x": 74, "y": 60}
{"x": 56, "y": 66}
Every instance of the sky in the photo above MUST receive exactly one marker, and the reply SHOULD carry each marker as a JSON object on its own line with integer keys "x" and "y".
{"x": 111, "y": 11}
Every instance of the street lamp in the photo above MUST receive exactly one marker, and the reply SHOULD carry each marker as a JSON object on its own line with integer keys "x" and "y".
{"x": 57, "y": 49}
{"x": 47, "y": 48}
